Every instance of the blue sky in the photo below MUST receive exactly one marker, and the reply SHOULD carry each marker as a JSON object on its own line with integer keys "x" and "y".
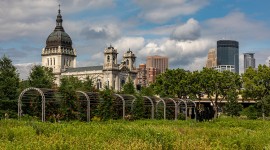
{"x": 183, "y": 30}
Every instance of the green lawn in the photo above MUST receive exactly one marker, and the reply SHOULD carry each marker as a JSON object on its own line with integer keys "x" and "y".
{"x": 225, "y": 133}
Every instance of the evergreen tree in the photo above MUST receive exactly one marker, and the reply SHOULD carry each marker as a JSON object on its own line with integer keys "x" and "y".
{"x": 41, "y": 77}
{"x": 9, "y": 86}
{"x": 128, "y": 87}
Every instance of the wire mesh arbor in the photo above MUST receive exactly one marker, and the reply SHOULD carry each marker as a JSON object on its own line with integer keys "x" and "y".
{"x": 155, "y": 107}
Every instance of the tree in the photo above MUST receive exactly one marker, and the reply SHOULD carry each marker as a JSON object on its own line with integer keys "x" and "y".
{"x": 88, "y": 84}
{"x": 71, "y": 105}
{"x": 128, "y": 87}
{"x": 257, "y": 86}
{"x": 9, "y": 85}
{"x": 216, "y": 85}
{"x": 138, "y": 107}
{"x": 41, "y": 77}
{"x": 172, "y": 83}
{"x": 232, "y": 107}
{"x": 105, "y": 107}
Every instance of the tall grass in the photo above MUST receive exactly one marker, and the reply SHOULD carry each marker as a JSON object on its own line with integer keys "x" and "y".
{"x": 225, "y": 133}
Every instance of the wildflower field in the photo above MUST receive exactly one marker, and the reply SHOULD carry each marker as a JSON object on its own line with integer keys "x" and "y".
{"x": 224, "y": 133}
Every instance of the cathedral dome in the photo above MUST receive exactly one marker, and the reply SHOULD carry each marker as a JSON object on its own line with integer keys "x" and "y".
{"x": 59, "y": 37}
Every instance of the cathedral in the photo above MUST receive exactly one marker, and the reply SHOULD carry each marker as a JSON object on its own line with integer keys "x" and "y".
{"x": 61, "y": 57}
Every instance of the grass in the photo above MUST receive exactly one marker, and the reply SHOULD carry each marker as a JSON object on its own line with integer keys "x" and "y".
{"x": 224, "y": 133}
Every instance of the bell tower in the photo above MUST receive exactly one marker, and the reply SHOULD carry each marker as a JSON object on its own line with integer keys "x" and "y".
{"x": 110, "y": 68}
{"x": 129, "y": 58}
{"x": 59, "y": 53}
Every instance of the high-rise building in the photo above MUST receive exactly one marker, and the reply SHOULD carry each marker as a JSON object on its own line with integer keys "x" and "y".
{"x": 228, "y": 54}
{"x": 155, "y": 65}
{"x": 158, "y": 62}
{"x": 249, "y": 61}
{"x": 211, "y": 58}
{"x": 141, "y": 79}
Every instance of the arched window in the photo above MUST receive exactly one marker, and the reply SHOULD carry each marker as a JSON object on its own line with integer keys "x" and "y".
{"x": 53, "y": 61}
{"x": 108, "y": 58}
{"x": 127, "y": 62}
{"x": 99, "y": 84}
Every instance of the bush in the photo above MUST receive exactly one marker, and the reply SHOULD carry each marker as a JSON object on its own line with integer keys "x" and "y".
{"x": 251, "y": 112}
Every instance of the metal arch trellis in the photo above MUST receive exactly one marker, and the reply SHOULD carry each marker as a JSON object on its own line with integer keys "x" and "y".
{"x": 175, "y": 108}
{"x": 124, "y": 104}
{"x": 189, "y": 100}
{"x": 185, "y": 103}
{"x": 42, "y": 98}
{"x": 152, "y": 108}
{"x": 152, "y": 105}
{"x": 164, "y": 108}
{"x": 88, "y": 104}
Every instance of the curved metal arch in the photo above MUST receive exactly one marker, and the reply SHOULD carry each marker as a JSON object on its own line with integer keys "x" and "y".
{"x": 181, "y": 100}
{"x": 164, "y": 108}
{"x": 43, "y": 100}
{"x": 152, "y": 108}
{"x": 194, "y": 107}
{"x": 88, "y": 104}
{"x": 124, "y": 104}
{"x": 175, "y": 108}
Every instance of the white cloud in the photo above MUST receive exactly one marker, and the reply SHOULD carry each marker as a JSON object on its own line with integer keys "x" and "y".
{"x": 125, "y": 43}
{"x": 188, "y": 31}
{"x": 236, "y": 25}
{"x": 181, "y": 53}
{"x": 24, "y": 69}
{"x": 109, "y": 32}
{"x": 162, "y": 10}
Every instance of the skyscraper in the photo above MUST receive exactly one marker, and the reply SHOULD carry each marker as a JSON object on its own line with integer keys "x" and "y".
{"x": 158, "y": 62}
{"x": 155, "y": 65}
{"x": 249, "y": 61}
{"x": 228, "y": 54}
{"x": 212, "y": 58}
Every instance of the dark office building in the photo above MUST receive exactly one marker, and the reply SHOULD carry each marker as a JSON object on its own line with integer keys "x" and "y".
{"x": 249, "y": 61}
{"x": 228, "y": 53}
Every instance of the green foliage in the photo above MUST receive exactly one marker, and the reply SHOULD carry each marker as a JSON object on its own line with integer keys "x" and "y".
{"x": 70, "y": 105}
{"x": 251, "y": 112}
{"x": 105, "y": 107}
{"x": 9, "y": 80}
{"x": 232, "y": 107}
{"x": 9, "y": 88}
{"x": 147, "y": 91}
{"x": 138, "y": 107}
{"x": 41, "y": 77}
{"x": 257, "y": 86}
{"x": 172, "y": 83}
{"x": 128, "y": 87}
{"x": 88, "y": 85}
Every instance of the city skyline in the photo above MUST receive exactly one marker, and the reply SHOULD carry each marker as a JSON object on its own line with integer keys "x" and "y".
{"x": 180, "y": 29}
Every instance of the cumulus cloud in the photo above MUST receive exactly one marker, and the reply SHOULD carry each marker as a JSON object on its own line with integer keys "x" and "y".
{"x": 132, "y": 43}
{"x": 110, "y": 32}
{"x": 25, "y": 17}
{"x": 180, "y": 53}
{"x": 236, "y": 25}
{"x": 24, "y": 69}
{"x": 159, "y": 11}
{"x": 188, "y": 31}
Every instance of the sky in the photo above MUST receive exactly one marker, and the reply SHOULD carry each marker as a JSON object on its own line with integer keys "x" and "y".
{"x": 183, "y": 30}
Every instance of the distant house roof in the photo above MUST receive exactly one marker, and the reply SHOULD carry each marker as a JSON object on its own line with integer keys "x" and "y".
{"x": 82, "y": 69}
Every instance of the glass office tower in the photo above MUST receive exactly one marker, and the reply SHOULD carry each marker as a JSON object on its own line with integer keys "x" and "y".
{"x": 228, "y": 54}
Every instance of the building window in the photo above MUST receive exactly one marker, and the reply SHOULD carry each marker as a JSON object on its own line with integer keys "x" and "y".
{"x": 108, "y": 58}
{"x": 53, "y": 61}
{"x": 48, "y": 61}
